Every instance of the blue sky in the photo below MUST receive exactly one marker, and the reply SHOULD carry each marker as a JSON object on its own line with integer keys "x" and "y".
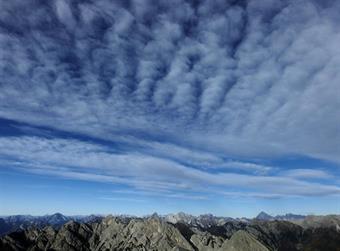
{"x": 223, "y": 107}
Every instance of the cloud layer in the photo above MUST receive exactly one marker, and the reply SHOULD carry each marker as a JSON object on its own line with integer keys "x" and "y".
{"x": 140, "y": 171}
{"x": 186, "y": 90}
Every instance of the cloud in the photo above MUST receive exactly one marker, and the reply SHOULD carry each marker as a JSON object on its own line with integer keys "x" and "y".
{"x": 162, "y": 194}
{"x": 264, "y": 75}
{"x": 123, "y": 199}
{"x": 307, "y": 174}
{"x": 255, "y": 195}
{"x": 64, "y": 13}
{"x": 74, "y": 159}
{"x": 248, "y": 166}
{"x": 195, "y": 95}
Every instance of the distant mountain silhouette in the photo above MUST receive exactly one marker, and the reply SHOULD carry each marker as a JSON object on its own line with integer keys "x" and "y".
{"x": 287, "y": 217}
{"x": 19, "y": 222}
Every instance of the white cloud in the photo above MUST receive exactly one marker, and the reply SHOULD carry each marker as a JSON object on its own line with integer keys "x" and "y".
{"x": 74, "y": 159}
{"x": 64, "y": 13}
{"x": 195, "y": 75}
{"x": 307, "y": 174}
{"x": 194, "y": 88}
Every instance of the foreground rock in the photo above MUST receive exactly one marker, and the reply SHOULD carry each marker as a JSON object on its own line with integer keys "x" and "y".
{"x": 244, "y": 241}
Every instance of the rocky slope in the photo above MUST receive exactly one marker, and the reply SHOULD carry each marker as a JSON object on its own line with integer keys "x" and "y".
{"x": 244, "y": 241}
{"x": 156, "y": 233}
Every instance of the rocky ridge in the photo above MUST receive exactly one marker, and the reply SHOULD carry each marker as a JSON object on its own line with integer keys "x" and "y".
{"x": 157, "y": 233}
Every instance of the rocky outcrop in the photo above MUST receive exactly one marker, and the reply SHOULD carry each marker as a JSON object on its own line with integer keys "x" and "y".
{"x": 244, "y": 241}
{"x": 277, "y": 235}
{"x": 204, "y": 241}
{"x": 139, "y": 234}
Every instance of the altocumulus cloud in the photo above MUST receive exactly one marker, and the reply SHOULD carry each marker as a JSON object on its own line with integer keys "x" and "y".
{"x": 187, "y": 86}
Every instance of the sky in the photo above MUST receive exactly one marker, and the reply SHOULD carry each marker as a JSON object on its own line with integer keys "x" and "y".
{"x": 141, "y": 106}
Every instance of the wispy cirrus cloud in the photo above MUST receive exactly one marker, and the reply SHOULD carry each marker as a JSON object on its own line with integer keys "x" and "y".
{"x": 74, "y": 159}
{"x": 308, "y": 174}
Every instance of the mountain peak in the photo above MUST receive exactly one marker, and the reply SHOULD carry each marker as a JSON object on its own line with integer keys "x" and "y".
{"x": 264, "y": 216}
{"x": 57, "y": 215}
{"x": 57, "y": 219}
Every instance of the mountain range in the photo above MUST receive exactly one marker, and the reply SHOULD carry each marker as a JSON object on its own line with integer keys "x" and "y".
{"x": 171, "y": 232}
{"x": 20, "y": 222}
{"x": 14, "y": 223}
{"x": 286, "y": 217}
